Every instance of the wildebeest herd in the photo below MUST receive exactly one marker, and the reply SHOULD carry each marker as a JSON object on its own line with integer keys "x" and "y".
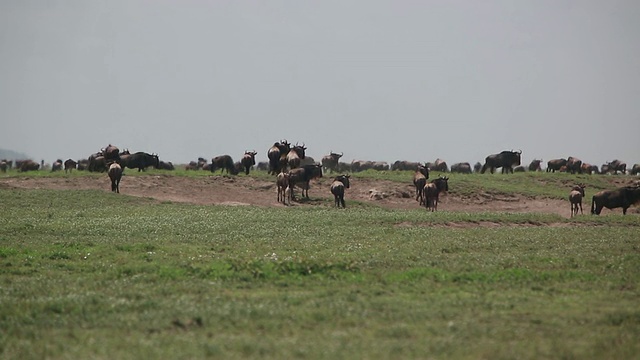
{"x": 293, "y": 168}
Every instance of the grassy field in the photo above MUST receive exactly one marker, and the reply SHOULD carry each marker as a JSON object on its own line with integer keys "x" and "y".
{"x": 90, "y": 274}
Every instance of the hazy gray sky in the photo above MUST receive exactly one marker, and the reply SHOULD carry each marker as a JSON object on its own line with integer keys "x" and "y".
{"x": 377, "y": 80}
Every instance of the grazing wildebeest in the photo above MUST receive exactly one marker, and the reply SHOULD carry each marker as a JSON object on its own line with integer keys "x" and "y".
{"x": 622, "y": 197}
{"x": 635, "y": 170}
{"x": 617, "y": 165}
{"x": 403, "y": 165}
{"x": 97, "y": 162}
{"x": 69, "y": 165}
{"x": 440, "y": 165}
{"x": 57, "y": 165}
{"x": 330, "y": 162}
{"x": 432, "y": 192}
{"x": 115, "y": 174}
{"x": 282, "y": 183}
{"x": 462, "y": 168}
{"x": 589, "y": 169}
{"x": 29, "y": 165}
{"x": 192, "y": 165}
{"x": 505, "y": 160}
{"x": 519, "y": 168}
{"x": 83, "y": 164}
{"x": 302, "y": 176}
{"x": 477, "y": 167}
{"x": 140, "y": 160}
{"x": 556, "y": 164}
{"x": 295, "y": 155}
{"x": 419, "y": 181}
{"x": 575, "y": 198}
{"x": 162, "y": 165}
{"x": 275, "y": 153}
{"x": 535, "y": 165}
{"x": 338, "y": 185}
{"x": 574, "y": 165}
{"x": 224, "y": 162}
{"x": 248, "y": 160}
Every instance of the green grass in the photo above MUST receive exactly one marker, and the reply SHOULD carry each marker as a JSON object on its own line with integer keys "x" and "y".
{"x": 90, "y": 274}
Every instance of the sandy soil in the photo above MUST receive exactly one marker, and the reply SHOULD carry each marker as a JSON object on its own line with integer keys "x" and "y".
{"x": 242, "y": 190}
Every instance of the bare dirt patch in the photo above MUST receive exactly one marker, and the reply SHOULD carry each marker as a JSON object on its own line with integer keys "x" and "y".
{"x": 247, "y": 190}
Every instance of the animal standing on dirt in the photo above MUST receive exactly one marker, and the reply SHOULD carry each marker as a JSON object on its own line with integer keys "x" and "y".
{"x": 115, "y": 174}
{"x": 338, "y": 185}
{"x": 432, "y": 192}
{"x": 419, "y": 181}
{"x": 248, "y": 160}
{"x": 623, "y": 197}
{"x": 223, "y": 162}
{"x": 275, "y": 153}
{"x": 302, "y": 176}
{"x": 575, "y": 198}
{"x": 330, "y": 162}
{"x": 505, "y": 160}
{"x": 294, "y": 157}
{"x": 282, "y": 183}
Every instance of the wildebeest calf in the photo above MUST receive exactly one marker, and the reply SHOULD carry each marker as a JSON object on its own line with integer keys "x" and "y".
{"x": 432, "y": 192}
{"x": 337, "y": 189}
{"x": 284, "y": 191}
{"x": 115, "y": 174}
{"x": 575, "y": 198}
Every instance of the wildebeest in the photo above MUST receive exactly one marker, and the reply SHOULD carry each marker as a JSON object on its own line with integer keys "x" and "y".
{"x": 574, "y": 165}
{"x": 168, "y": 165}
{"x": 403, "y": 165}
{"x": 462, "y": 168}
{"x": 302, "y": 176}
{"x": 440, "y": 165}
{"x": 575, "y": 198}
{"x": 275, "y": 153}
{"x": 115, "y": 174}
{"x": 295, "y": 155}
{"x": 139, "y": 160}
{"x": 282, "y": 183}
{"x": 622, "y": 197}
{"x": 248, "y": 160}
{"x": 263, "y": 166}
{"x": 29, "y": 165}
{"x": 330, "y": 162}
{"x": 8, "y": 163}
{"x": 505, "y": 160}
{"x": 57, "y": 165}
{"x": 519, "y": 168}
{"x": 535, "y": 165}
{"x": 556, "y": 164}
{"x": 477, "y": 167}
{"x": 223, "y": 162}
{"x": 419, "y": 181}
{"x": 83, "y": 164}
{"x": 111, "y": 153}
{"x": 338, "y": 185}
{"x": 589, "y": 169}
{"x": 616, "y": 166}
{"x": 635, "y": 170}
{"x": 432, "y": 192}
{"x": 97, "y": 162}
{"x": 69, "y": 165}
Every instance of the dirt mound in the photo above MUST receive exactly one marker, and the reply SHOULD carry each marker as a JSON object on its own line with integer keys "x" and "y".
{"x": 242, "y": 190}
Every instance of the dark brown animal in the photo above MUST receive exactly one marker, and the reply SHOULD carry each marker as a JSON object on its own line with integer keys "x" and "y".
{"x": 635, "y": 170}
{"x": 574, "y": 165}
{"x": 535, "y": 165}
{"x": 505, "y": 160}
{"x": 556, "y": 164}
{"x": 589, "y": 169}
{"x": 248, "y": 160}
{"x": 519, "y": 168}
{"x": 224, "y": 162}
{"x": 57, "y": 165}
{"x": 162, "y": 165}
{"x": 139, "y": 160}
{"x": 440, "y": 165}
{"x": 3, "y": 166}
{"x": 575, "y": 199}
{"x": 275, "y": 153}
{"x": 302, "y": 176}
{"x": 338, "y": 185}
{"x": 29, "y": 165}
{"x": 69, "y": 165}
{"x": 115, "y": 174}
{"x": 461, "y": 168}
{"x": 419, "y": 181}
{"x": 616, "y": 166}
{"x": 432, "y": 192}
{"x": 330, "y": 162}
{"x": 622, "y": 197}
